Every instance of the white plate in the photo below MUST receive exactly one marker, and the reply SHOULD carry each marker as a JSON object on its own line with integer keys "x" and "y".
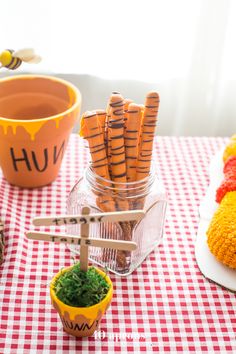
{"x": 208, "y": 265}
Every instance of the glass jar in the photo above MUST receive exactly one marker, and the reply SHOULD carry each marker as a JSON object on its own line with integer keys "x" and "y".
{"x": 103, "y": 195}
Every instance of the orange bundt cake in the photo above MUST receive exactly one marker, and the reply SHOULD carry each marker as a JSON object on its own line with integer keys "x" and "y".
{"x": 221, "y": 234}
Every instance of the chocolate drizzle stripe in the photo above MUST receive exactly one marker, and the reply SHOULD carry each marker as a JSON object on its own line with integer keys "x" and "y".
{"x": 96, "y": 151}
{"x": 96, "y": 146}
{"x": 99, "y": 160}
{"x": 118, "y": 153}
{"x": 147, "y": 160}
{"x": 93, "y": 136}
{"x": 117, "y": 104}
{"x": 90, "y": 116}
{"x": 117, "y": 137}
{"x": 117, "y": 126}
{"x": 117, "y": 148}
{"x": 98, "y": 166}
{"x": 117, "y": 163}
{"x": 118, "y": 112}
{"x": 151, "y": 116}
{"x": 150, "y": 121}
{"x": 111, "y": 121}
{"x": 132, "y": 112}
{"x": 119, "y": 176}
{"x": 151, "y": 106}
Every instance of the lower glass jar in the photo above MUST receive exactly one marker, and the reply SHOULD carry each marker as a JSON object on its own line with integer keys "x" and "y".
{"x": 103, "y": 195}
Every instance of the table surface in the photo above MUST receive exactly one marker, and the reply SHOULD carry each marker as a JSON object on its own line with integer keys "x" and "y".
{"x": 164, "y": 306}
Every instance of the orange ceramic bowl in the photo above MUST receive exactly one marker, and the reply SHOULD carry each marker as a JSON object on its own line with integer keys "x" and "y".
{"x": 37, "y": 115}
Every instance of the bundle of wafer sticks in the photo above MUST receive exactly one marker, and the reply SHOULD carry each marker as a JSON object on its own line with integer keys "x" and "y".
{"x": 120, "y": 140}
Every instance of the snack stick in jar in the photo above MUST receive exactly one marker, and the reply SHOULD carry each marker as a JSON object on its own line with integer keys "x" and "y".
{"x": 118, "y": 163}
{"x": 132, "y": 133}
{"x": 102, "y": 116}
{"x": 108, "y": 140}
{"x": 91, "y": 131}
{"x": 148, "y": 131}
{"x": 108, "y": 132}
{"x": 102, "y": 119}
{"x": 127, "y": 101}
{"x": 116, "y": 129}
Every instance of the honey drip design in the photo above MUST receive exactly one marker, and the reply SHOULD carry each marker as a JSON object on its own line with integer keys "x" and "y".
{"x": 33, "y": 127}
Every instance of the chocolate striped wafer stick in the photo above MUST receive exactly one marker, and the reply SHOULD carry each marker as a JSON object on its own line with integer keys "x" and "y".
{"x": 127, "y": 101}
{"x": 108, "y": 133}
{"x": 118, "y": 165}
{"x": 102, "y": 116}
{"x": 147, "y": 136}
{"x": 92, "y": 131}
{"x": 116, "y": 128}
{"x": 132, "y": 133}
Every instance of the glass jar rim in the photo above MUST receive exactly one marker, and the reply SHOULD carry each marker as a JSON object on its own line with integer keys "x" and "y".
{"x": 140, "y": 187}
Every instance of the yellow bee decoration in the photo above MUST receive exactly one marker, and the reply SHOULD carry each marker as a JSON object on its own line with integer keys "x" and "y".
{"x": 11, "y": 59}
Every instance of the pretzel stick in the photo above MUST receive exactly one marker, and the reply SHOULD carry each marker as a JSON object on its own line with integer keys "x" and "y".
{"x": 148, "y": 131}
{"x": 108, "y": 139}
{"x": 127, "y": 101}
{"x": 105, "y": 202}
{"x": 118, "y": 165}
{"x": 116, "y": 128}
{"x": 92, "y": 131}
{"x": 102, "y": 116}
{"x": 132, "y": 132}
{"x": 108, "y": 133}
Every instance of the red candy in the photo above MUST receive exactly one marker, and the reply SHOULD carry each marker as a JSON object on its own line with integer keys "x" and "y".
{"x": 229, "y": 182}
{"x": 228, "y": 185}
{"x": 230, "y": 165}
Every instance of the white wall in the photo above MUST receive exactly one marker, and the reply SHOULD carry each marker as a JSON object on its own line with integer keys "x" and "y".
{"x": 185, "y": 49}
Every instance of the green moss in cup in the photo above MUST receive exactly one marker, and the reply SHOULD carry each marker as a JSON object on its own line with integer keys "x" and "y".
{"x": 81, "y": 289}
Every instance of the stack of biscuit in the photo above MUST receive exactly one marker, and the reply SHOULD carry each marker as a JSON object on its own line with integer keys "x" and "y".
{"x": 221, "y": 234}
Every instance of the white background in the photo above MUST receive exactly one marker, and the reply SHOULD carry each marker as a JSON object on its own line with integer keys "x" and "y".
{"x": 185, "y": 49}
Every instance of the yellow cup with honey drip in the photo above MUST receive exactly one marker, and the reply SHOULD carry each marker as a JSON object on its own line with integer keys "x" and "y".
{"x": 37, "y": 115}
{"x": 81, "y": 321}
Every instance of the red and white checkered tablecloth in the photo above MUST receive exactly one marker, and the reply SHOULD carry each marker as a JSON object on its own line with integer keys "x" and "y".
{"x": 166, "y": 306}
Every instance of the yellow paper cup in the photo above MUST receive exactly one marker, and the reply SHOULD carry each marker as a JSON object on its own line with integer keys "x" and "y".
{"x": 81, "y": 321}
{"x": 37, "y": 115}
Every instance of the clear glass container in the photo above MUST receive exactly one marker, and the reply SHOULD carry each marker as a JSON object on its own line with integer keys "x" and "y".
{"x": 103, "y": 195}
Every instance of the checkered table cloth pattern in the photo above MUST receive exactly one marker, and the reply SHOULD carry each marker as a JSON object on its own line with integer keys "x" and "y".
{"x": 166, "y": 306}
